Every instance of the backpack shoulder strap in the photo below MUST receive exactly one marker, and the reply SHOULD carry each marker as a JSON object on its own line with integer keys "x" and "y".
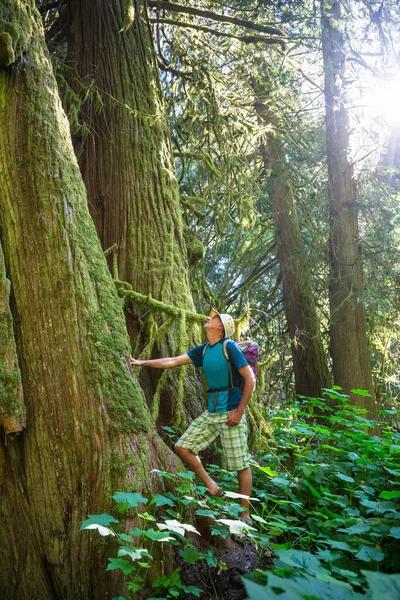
{"x": 226, "y": 354}
{"x": 225, "y": 349}
{"x": 204, "y": 349}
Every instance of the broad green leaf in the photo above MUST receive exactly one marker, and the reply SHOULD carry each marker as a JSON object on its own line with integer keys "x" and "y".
{"x": 136, "y": 532}
{"x": 328, "y": 556}
{"x": 338, "y": 545}
{"x": 383, "y": 586}
{"x": 312, "y": 588}
{"x": 192, "y": 589}
{"x": 99, "y": 522}
{"x": 163, "y": 474}
{"x": 368, "y": 553}
{"x": 344, "y": 477}
{"x": 334, "y": 393}
{"x": 158, "y": 536}
{"x": 134, "y": 587}
{"x": 120, "y": 563}
{"x": 389, "y": 495}
{"x": 395, "y": 532}
{"x": 146, "y": 516}
{"x": 133, "y": 553}
{"x": 133, "y": 500}
{"x": 159, "y": 500}
{"x": 392, "y": 471}
{"x": 261, "y": 592}
{"x": 259, "y": 519}
{"x": 267, "y": 470}
{"x": 329, "y": 447}
{"x": 312, "y": 489}
{"x": 361, "y": 393}
{"x": 125, "y": 537}
{"x": 186, "y": 475}
{"x": 174, "y": 525}
{"x": 190, "y": 555}
{"x": 211, "y": 559}
{"x": 236, "y": 527}
{"x": 356, "y": 529}
{"x": 301, "y": 560}
{"x": 205, "y": 513}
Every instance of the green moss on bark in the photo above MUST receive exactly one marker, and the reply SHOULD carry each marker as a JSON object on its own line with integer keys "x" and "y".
{"x": 12, "y": 408}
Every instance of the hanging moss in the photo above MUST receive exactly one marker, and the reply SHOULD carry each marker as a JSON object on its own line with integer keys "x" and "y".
{"x": 195, "y": 247}
{"x": 155, "y": 406}
{"x": 131, "y": 299}
{"x": 242, "y": 322}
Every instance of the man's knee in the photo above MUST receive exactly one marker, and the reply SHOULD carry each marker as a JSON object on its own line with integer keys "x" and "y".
{"x": 182, "y": 452}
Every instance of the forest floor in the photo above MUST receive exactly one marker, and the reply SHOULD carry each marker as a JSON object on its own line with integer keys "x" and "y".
{"x": 224, "y": 582}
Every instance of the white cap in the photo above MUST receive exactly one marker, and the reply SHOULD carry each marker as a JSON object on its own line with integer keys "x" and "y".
{"x": 226, "y": 320}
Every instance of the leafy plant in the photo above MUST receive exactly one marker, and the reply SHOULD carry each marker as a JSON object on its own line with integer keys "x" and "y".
{"x": 325, "y": 498}
{"x": 380, "y": 587}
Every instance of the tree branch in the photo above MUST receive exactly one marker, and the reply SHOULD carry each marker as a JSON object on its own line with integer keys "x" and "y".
{"x": 247, "y": 39}
{"x": 170, "y": 6}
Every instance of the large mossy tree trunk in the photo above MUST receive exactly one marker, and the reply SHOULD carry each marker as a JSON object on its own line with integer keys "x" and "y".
{"x": 127, "y": 166}
{"x": 349, "y": 348}
{"x": 88, "y": 429}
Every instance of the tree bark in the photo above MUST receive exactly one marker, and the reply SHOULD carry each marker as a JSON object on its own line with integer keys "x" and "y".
{"x": 127, "y": 166}
{"x": 12, "y": 407}
{"x": 89, "y": 431}
{"x": 349, "y": 348}
{"x": 309, "y": 360}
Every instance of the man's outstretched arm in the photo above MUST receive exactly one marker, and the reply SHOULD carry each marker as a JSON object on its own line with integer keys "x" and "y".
{"x": 162, "y": 363}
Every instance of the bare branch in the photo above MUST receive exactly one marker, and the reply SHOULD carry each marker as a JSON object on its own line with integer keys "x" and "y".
{"x": 247, "y": 39}
{"x": 170, "y": 6}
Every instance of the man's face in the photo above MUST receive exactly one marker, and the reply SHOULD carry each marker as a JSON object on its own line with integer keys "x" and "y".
{"x": 214, "y": 322}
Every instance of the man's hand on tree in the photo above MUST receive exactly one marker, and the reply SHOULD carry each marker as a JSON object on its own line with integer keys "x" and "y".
{"x": 134, "y": 362}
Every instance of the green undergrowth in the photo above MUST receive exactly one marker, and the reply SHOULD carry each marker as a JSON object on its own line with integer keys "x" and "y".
{"x": 325, "y": 499}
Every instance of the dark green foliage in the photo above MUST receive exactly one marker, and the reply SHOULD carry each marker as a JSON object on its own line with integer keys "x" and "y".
{"x": 325, "y": 498}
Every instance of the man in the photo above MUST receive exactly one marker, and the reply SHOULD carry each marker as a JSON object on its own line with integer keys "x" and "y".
{"x": 226, "y": 405}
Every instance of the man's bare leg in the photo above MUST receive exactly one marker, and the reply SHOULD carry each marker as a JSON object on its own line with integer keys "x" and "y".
{"x": 245, "y": 484}
{"x": 193, "y": 462}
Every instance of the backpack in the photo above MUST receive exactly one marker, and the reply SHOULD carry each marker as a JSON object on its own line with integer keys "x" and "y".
{"x": 250, "y": 351}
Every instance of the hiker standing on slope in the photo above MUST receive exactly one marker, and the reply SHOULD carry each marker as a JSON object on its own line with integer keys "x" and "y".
{"x": 226, "y": 405}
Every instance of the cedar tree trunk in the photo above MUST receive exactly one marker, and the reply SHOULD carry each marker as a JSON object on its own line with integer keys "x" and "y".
{"x": 309, "y": 361}
{"x": 127, "y": 166}
{"x": 88, "y": 430}
{"x": 349, "y": 349}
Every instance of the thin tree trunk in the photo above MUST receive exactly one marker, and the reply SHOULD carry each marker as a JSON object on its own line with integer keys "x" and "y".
{"x": 88, "y": 429}
{"x": 309, "y": 360}
{"x": 349, "y": 349}
{"x": 127, "y": 166}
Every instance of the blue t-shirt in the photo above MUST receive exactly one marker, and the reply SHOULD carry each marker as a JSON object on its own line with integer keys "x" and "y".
{"x": 216, "y": 372}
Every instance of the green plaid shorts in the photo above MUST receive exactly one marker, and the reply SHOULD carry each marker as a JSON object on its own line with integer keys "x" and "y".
{"x": 207, "y": 427}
